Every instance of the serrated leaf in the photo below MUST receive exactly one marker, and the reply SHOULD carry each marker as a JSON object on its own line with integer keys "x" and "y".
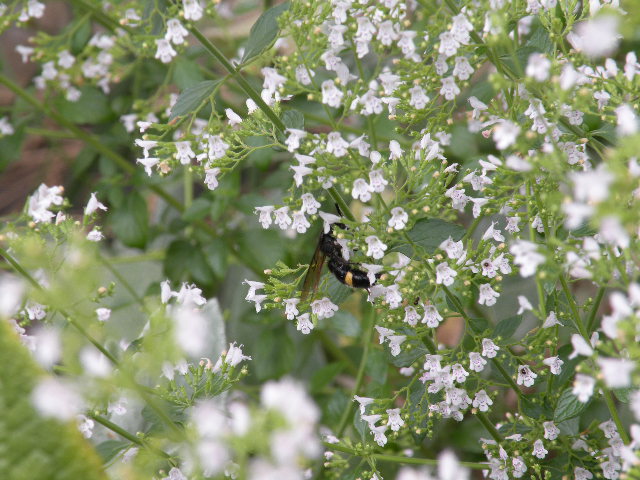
{"x": 293, "y": 119}
{"x": 568, "y": 406}
{"x": 191, "y": 99}
{"x": 34, "y": 447}
{"x": 507, "y": 327}
{"x": 377, "y": 366}
{"x": 429, "y": 233}
{"x": 264, "y": 32}
{"x": 408, "y": 356}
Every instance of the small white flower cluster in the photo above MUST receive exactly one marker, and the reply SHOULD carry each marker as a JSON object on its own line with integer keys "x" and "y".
{"x": 292, "y": 442}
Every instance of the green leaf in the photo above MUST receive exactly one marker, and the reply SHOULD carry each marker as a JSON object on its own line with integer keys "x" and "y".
{"x": 507, "y": 327}
{"x": 260, "y": 249}
{"x": 376, "y": 366}
{"x": 185, "y": 260}
{"x": 191, "y": 99}
{"x": 92, "y": 107}
{"x": 324, "y": 376}
{"x": 429, "y": 233}
{"x": 274, "y": 354}
{"x": 109, "y": 449}
{"x": 34, "y": 446}
{"x": 197, "y": 210}
{"x": 479, "y": 325}
{"x": 264, "y": 32}
{"x": 186, "y": 73}
{"x": 568, "y": 406}
{"x": 130, "y": 222}
{"x": 360, "y": 425}
{"x": 418, "y": 410}
{"x": 217, "y": 255}
{"x": 409, "y": 355}
{"x": 344, "y": 323}
{"x": 293, "y": 119}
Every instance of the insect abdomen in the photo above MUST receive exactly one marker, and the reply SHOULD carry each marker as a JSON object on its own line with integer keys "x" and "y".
{"x": 348, "y": 275}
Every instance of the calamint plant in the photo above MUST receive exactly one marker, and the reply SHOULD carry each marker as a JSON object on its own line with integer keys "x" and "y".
{"x": 467, "y": 171}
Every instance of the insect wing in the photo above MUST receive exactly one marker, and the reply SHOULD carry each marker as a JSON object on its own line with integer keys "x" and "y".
{"x": 312, "y": 277}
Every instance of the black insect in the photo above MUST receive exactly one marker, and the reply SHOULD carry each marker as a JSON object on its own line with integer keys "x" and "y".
{"x": 345, "y": 271}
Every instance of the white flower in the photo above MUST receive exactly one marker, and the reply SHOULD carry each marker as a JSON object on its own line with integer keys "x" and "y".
{"x": 24, "y": 52}
{"x": 609, "y": 429}
{"x": 309, "y": 204}
{"x": 476, "y": 362}
{"x": 487, "y": 295}
{"x": 444, "y": 274}
{"x": 234, "y": 118}
{"x": 526, "y": 256}
{"x": 398, "y": 218}
{"x": 449, "y": 88}
{"x": 265, "y": 215}
{"x": 395, "y": 420}
{"x": 282, "y": 218}
{"x": 165, "y": 51}
{"x": 300, "y": 223}
{"x": 323, "y": 308}
{"x": 482, "y": 401}
{"x": 363, "y": 401}
{"x": 597, "y": 37}
{"x": 375, "y": 247}
{"x": 394, "y": 344}
{"x": 462, "y": 68}
{"x": 336, "y": 144}
{"x": 56, "y": 398}
{"x": 526, "y": 376}
{"x": 493, "y": 233}
{"x": 418, "y": 98}
{"x": 192, "y": 9}
{"x": 331, "y": 95}
{"x": 627, "y": 120}
{"x": 505, "y": 134}
{"x": 538, "y": 67}
{"x": 328, "y": 219}
{"x": 234, "y": 355}
{"x": 431, "y": 316}
{"x": 377, "y": 181}
{"x": 616, "y": 372}
{"x": 191, "y": 328}
{"x": 583, "y": 387}
{"x": 539, "y": 450}
{"x": 175, "y": 31}
{"x": 293, "y": 140}
{"x": 103, "y": 314}
{"x": 524, "y": 305}
{"x": 361, "y": 190}
{"x": 184, "y": 152}
{"x": 582, "y": 474}
{"x": 580, "y": 346}
{"x": 411, "y": 316}
{"x": 303, "y": 75}
{"x": 551, "y": 432}
{"x": 211, "y": 177}
{"x": 95, "y": 235}
{"x": 304, "y": 324}
{"x": 554, "y": 364}
{"x": 489, "y": 349}
{"x": 291, "y": 309}
{"x": 453, "y": 249}
{"x": 93, "y": 205}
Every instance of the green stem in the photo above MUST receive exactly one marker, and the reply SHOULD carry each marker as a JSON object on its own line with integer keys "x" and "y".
{"x": 594, "y": 309}
{"x": 574, "y": 308}
{"x": 129, "y": 436}
{"x": 346, "y": 211}
{"x": 489, "y": 426}
{"x": 507, "y": 377}
{"x": 614, "y": 414}
{"x": 360, "y": 377}
{"x": 235, "y": 73}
